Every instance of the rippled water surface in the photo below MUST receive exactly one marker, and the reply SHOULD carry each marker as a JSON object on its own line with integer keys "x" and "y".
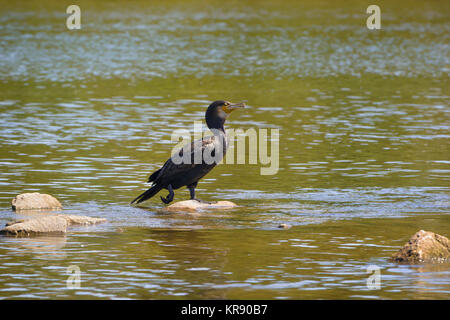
{"x": 363, "y": 115}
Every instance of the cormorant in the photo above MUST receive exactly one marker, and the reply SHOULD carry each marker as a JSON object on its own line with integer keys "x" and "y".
{"x": 176, "y": 174}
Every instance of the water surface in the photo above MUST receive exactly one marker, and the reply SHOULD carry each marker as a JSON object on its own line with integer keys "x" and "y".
{"x": 363, "y": 115}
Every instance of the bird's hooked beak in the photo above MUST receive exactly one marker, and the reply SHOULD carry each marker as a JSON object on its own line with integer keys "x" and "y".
{"x": 228, "y": 108}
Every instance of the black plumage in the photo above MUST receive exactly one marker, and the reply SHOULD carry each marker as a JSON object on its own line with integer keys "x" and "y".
{"x": 174, "y": 175}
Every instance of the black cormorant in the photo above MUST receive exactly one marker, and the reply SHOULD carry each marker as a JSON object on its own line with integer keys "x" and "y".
{"x": 176, "y": 174}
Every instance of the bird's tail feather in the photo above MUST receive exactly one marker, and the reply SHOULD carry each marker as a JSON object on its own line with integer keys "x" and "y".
{"x": 147, "y": 194}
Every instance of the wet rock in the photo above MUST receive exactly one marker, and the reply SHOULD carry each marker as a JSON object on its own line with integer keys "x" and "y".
{"x": 194, "y": 205}
{"x": 47, "y": 225}
{"x": 284, "y": 226}
{"x": 80, "y": 220}
{"x": 35, "y": 200}
{"x": 424, "y": 246}
{"x": 42, "y": 225}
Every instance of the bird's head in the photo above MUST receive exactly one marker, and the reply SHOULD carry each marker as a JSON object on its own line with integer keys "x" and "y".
{"x": 218, "y": 111}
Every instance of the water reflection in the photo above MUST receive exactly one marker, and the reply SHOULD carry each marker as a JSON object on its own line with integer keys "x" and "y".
{"x": 40, "y": 247}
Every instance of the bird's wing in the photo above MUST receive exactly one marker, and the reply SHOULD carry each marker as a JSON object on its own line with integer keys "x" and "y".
{"x": 196, "y": 150}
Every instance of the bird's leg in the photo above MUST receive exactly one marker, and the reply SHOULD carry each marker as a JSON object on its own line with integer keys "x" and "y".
{"x": 192, "y": 191}
{"x": 170, "y": 196}
{"x": 191, "y": 188}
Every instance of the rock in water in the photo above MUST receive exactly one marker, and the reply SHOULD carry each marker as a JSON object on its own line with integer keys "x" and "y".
{"x": 35, "y": 200}
{"x": 194, "y": 205}
{"x": 47, "y": 225}
{"x": 80, "y": 220}
{"x": 424, "y": 246}
{"x": 42, "y": 225}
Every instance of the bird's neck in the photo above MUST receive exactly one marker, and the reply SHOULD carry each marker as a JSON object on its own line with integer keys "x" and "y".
{"x": 221, "y": 137}
{"x": 216, "y": 126}
{"x": 218, "y": 131}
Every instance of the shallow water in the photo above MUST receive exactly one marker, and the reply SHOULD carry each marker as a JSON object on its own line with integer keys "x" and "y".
{"x": 364, "y": 122}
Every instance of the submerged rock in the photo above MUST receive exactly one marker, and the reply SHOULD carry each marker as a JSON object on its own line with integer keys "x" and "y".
{"x": 424, "y": 246}
{"x": 47, "y": 225}
{"x": 35, "y": 200}
{"x": 194, "y": 205}
{"x": 80, "y": 220}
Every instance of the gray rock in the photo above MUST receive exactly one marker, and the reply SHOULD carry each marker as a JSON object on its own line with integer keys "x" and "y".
{"x": 424, "y": 246}
{"x": 194, "y": 205}
{"x": 35, "y": 200}
{"x": 47, "y": 225}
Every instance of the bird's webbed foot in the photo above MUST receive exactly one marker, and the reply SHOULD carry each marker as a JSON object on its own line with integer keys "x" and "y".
{"x": 169, "y": 197}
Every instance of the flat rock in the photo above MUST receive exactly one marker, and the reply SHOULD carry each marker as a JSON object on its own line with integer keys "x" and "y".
{"x": 424, "y": 246}
{"x": 80, "y": 220}
{"x": 35, "y": 200}
{"x": 47, "y": 225}
{"x": 42, "y": 225}
{"x": 194, "y": 205}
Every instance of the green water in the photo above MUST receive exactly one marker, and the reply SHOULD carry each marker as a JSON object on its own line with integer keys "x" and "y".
{"x": 363, "y": 115}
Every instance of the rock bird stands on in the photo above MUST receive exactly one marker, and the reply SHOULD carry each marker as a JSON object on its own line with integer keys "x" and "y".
{"x": 187, "y": 169}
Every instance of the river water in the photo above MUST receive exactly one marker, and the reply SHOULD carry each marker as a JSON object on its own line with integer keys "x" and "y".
{"x": 87, "y": 115}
